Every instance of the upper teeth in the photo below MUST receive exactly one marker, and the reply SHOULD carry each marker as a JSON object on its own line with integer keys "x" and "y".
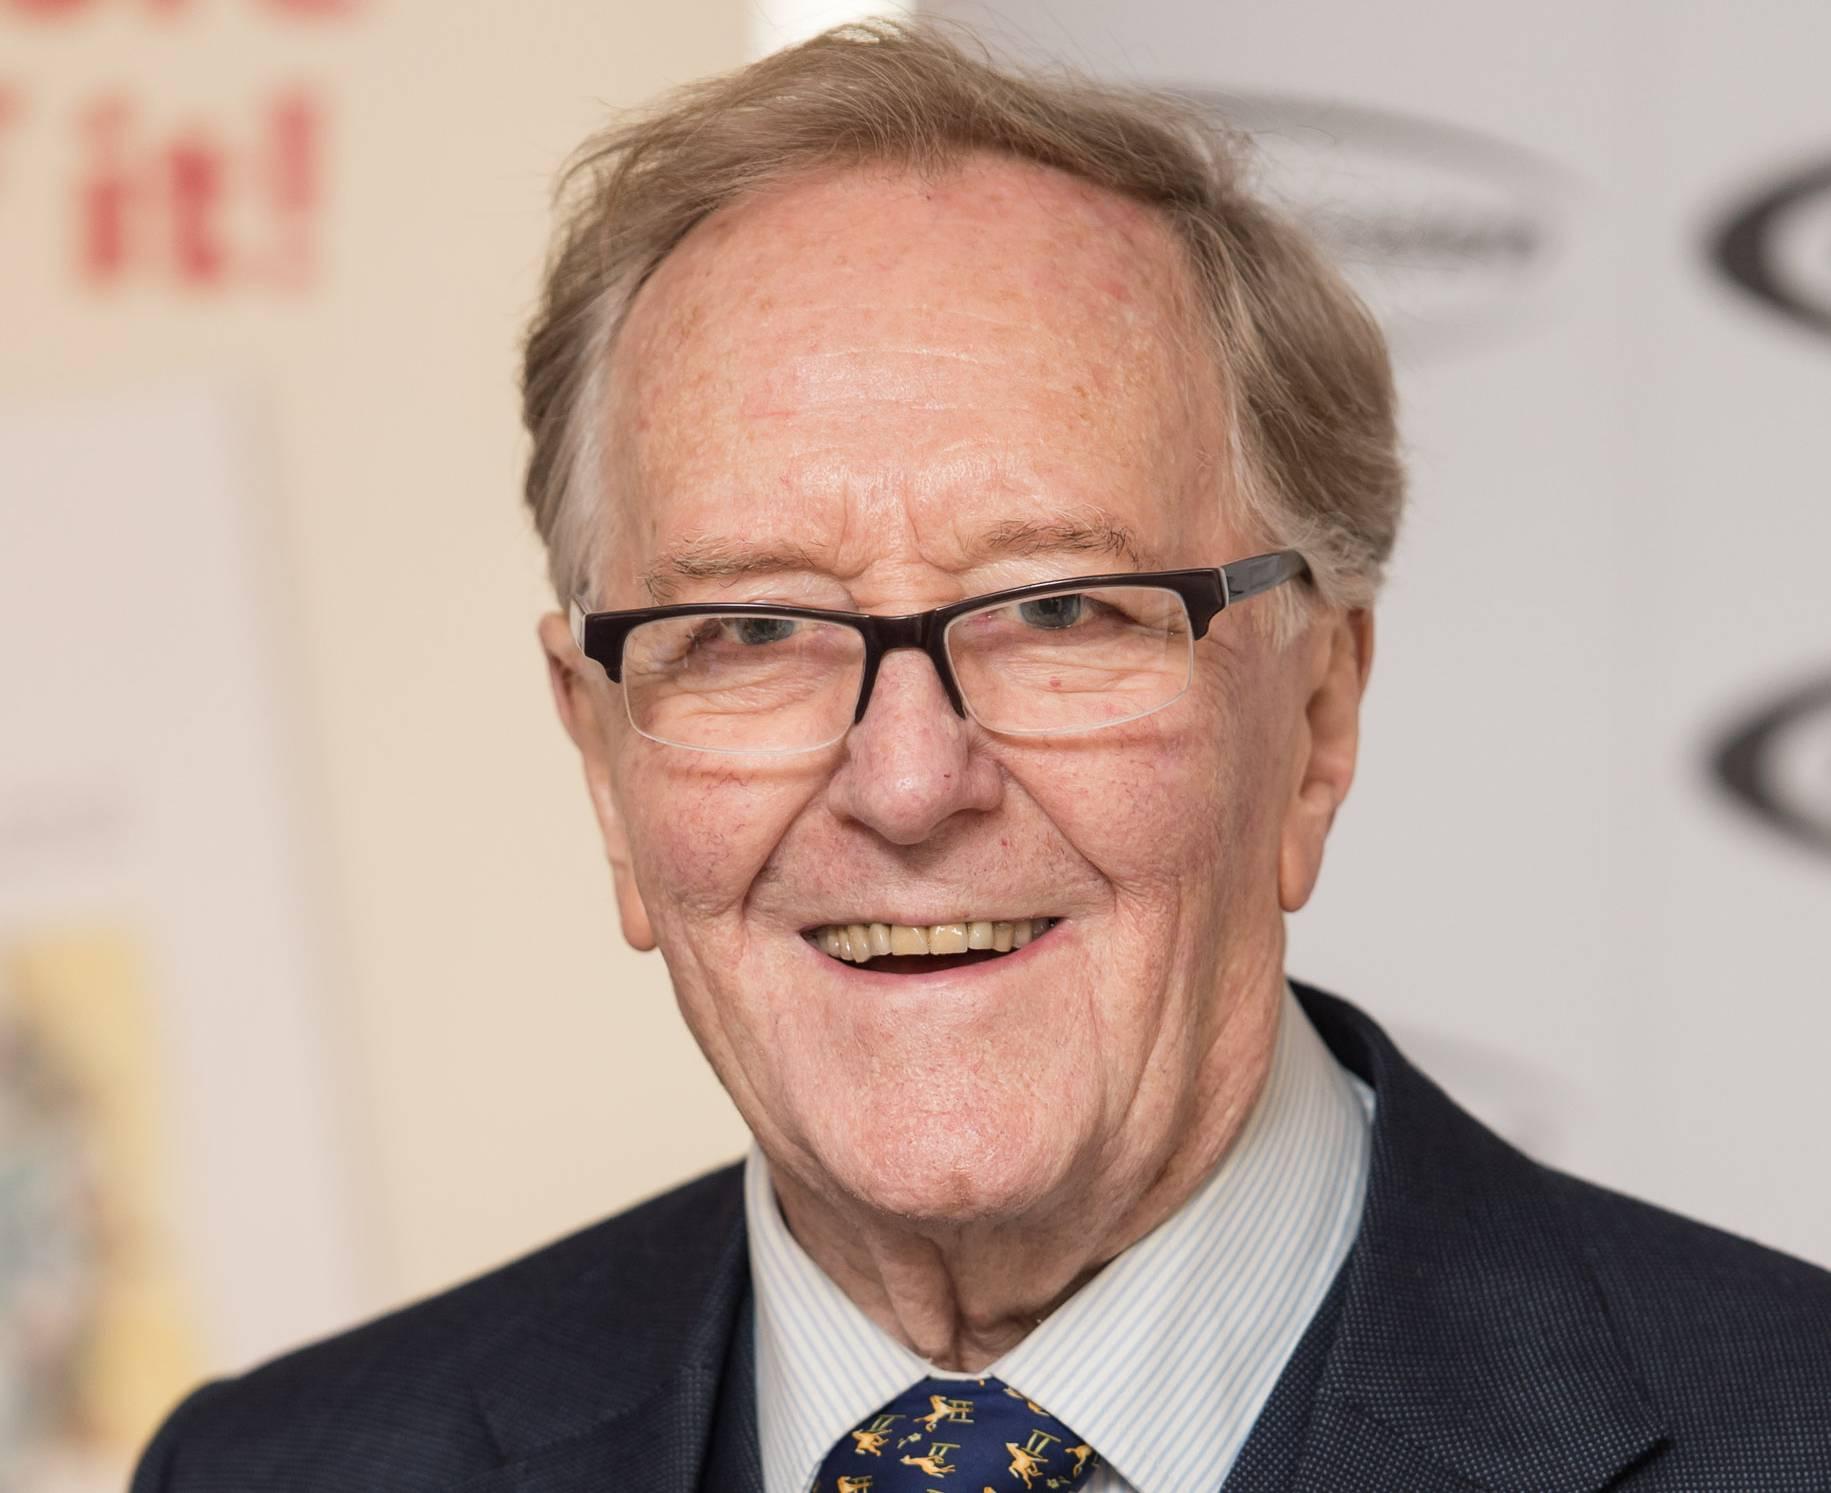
{"x": 861, "y": 941}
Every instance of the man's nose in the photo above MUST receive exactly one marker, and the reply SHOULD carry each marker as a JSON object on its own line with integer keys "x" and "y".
{"x": 912, "y": 763}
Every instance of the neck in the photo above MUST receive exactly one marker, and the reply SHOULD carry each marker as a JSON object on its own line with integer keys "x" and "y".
{"x": 961, "y": 1296}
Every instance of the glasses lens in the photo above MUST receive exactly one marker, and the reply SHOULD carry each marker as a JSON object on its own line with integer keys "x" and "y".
{"x": 1072, "y": 660}
{"x": 740, "y": 682}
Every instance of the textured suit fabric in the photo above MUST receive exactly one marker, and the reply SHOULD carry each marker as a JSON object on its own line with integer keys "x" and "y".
{"x": 734, "y": 1457}
{"x": 1501, "y": 1326}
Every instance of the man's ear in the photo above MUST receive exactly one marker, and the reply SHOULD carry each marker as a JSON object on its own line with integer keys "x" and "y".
{"x": 1337, "y": 659}
{"x": 582, "y": 695}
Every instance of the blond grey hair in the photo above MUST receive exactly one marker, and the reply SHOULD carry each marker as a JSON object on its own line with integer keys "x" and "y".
{"x": 1303, "y": 368}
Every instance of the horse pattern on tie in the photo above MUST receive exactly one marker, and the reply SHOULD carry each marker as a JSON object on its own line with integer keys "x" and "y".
{"x": 967, "y": 1434}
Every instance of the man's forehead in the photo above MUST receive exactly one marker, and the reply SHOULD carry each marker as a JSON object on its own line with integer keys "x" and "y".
{"x": 989, "y": 356}
{"x": 778, "y": 300}
{"x": 862, "y": 223}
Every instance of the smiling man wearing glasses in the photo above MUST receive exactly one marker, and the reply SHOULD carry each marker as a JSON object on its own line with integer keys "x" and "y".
{"x": 967, "y": 504}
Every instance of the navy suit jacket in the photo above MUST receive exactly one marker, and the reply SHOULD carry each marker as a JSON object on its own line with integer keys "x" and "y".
{"x": 1497, "y": 1326}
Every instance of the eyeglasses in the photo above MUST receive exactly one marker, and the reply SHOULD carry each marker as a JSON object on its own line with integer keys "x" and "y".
{"x": 1051, "y": 659}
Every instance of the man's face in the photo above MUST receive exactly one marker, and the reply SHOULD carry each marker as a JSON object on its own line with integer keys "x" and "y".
{"x": 879, "y": 393}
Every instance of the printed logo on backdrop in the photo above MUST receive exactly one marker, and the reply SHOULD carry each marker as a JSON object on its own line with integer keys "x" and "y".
{"x": 1451, "y": 237}
{"x": 1777, "y": 246}
{"x": 1775, "y": 763}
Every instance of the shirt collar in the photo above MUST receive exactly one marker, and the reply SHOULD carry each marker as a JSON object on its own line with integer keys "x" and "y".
{"x": 1195, "y": 1321}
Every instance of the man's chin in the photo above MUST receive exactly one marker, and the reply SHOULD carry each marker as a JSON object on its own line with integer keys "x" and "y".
{"x": 948, "y": 1180}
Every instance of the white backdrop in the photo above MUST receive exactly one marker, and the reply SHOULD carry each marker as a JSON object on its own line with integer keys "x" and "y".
{"x": 1614, "y": 562}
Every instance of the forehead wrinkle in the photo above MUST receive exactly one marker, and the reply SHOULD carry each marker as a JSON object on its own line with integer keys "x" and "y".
{"x": 880, "y": 372}
{"x": 709, "y": 557}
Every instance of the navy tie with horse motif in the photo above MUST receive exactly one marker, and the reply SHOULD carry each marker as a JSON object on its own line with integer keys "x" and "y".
{"x": 943, "y": 1435}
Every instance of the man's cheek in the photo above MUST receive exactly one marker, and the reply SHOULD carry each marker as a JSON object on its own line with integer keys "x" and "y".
{"x": 697, "y": 866}
{"x": 1143, "y": 823}
{"x": 699, "y": 844}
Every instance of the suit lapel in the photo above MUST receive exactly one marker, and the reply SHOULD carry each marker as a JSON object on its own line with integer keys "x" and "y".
{"x": 1474, "y": 1349}
{"x": 609, "y": 1384}
{"x": 655, "y": 1446}
{"x": 734, "y": 1458}
{"x": 1348, "y": 1451}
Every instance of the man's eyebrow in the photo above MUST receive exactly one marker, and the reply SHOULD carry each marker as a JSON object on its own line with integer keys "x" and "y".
{"x": 1093, "y": 534}
{"x": 705, "y": 558}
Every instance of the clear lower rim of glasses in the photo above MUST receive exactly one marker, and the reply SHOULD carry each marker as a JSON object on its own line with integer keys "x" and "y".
{"x": 840, "y": 734}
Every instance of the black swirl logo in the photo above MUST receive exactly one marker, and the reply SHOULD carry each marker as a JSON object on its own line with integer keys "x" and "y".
{"x": 1449, "y": 235}
{"x": 1776, "y": 764}
{"x": 1777, "y": 246}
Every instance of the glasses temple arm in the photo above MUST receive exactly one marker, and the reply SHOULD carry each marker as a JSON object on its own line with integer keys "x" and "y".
{"x": 1246, "y": 578}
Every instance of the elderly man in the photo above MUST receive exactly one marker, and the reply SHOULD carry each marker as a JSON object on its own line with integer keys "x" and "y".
{"x": 968, "y": 502}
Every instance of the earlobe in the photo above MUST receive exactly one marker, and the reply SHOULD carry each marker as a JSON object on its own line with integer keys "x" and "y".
{"x": 632, "y": 913}
{"x": 572, "y": 699}
{"x": 638, "y": 932}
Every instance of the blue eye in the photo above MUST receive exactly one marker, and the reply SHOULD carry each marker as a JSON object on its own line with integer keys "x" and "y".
{"x": 1053, "y": 611}
{"x": 754, "y": 631}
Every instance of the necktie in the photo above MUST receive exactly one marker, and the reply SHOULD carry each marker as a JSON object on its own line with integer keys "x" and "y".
{"x": 957, "y": 1436}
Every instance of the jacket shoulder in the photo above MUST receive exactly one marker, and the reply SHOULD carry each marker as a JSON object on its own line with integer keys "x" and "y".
{"x": 1714, "y": 1319}
{"x": 1731, "y": 1340}
{"x": 1522, "y": 1307}
{"x": 392, "y": 1401}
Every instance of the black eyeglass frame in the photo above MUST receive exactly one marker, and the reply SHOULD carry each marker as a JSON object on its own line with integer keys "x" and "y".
{"x": 1205, "y": 593}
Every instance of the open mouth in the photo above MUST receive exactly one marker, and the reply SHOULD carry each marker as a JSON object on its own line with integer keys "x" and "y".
{"x": 914, "y": 949}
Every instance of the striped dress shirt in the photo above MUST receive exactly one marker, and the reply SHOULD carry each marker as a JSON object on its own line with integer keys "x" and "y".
{"x": 1165, "y": 1358}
